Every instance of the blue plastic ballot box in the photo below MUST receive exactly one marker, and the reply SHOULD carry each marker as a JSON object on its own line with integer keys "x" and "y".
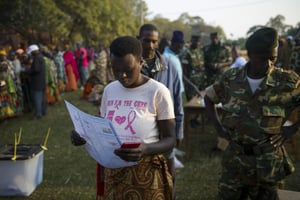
{"x": 22, "y": 176}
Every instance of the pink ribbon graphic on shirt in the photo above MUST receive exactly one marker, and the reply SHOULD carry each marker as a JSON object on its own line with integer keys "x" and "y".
{"x": 130, "y": 119}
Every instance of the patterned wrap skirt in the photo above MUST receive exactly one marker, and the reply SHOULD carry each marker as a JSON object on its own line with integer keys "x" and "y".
{"x": 149, "y": 180}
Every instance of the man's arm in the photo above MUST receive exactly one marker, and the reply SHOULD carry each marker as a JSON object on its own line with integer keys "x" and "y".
{"x": 186, "y": 63}
{"x": 178, "y": 105}
{"x": 287, "y": 131}
{"x": 213, "y": 116}
{"x": 174, "y": 85}
{"x": 221, "y": 65}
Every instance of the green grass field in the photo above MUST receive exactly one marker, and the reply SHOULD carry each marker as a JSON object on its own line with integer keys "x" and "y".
{"x": 69, "y": 172}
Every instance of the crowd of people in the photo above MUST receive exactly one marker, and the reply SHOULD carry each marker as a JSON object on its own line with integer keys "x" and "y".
{"x": 255, "y": 160}
{"x": 259, "y": 92}
{"x": 34, "y": 77}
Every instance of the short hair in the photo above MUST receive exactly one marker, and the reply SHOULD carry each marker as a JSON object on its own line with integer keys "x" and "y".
{"x": 148, "y": 27}
{"x": 125, "y": 45}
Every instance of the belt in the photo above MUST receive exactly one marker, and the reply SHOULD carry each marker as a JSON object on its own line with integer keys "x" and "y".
{"x": 249, "y": 149}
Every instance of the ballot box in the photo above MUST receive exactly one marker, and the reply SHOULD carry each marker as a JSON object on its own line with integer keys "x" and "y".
{"x": 21, "y": 176}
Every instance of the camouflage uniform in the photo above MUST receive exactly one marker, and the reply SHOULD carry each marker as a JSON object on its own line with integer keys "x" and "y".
{"x": 192, "y": 61}
{"x": 214, "y": 54}
{"x": 287, "y": 50}
{"x": 250, "y": 119}
{"x": 294, "y": 63}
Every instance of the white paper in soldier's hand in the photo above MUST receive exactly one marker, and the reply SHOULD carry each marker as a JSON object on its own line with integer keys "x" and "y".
{"x": 101, "y": 138}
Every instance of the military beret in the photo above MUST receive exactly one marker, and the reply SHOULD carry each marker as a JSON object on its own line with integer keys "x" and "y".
{"x": 178, "y": 37}
{"x": 263, "y": 40}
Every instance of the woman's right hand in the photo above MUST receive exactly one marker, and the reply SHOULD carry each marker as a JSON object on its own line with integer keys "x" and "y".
{"x": 76, "y": 139}
{"x": 131, "y": 154}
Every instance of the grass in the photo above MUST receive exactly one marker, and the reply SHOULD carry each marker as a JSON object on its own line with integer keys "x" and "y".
{"x": 69, "y": 172}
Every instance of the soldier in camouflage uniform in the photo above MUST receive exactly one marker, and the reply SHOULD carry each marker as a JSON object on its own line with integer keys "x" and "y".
{"x": 193, "y": 66}
{"x": 216, "y": 59}
{"x": 257, "y": 100}
{"x": 294, "y": 62}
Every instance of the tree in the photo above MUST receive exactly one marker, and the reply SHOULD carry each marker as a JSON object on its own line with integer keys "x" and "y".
{"x": 278, "y": 24}
{"x": 188, "y": 24}
{"x": 30, "y": 17}
{"x": 68, "y": 20}
{"x": 94, "y": 20}
{"x": 294, "y": 31}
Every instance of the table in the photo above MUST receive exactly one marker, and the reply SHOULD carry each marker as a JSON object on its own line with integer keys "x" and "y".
{"x": 196, "y": 106}
{"x": 290, "y": 195}
{"x": 193, "y": 107}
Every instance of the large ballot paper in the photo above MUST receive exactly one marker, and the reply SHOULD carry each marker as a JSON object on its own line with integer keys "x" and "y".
{"x": 100, "y": 135}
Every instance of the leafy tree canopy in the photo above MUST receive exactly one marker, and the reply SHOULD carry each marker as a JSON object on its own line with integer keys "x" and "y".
{"x": 94, "y": 21}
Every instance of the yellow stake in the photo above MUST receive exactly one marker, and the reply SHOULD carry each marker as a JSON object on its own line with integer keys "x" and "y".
{"x": 15, "y": 148}
{"x": 46, "y": 140}
{"x": 20, "y": 133}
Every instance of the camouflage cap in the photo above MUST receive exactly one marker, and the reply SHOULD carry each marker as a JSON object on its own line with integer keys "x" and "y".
{"x": 263, "y": 40}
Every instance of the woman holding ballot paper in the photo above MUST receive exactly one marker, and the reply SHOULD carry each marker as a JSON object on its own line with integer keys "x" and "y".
{"x": 141, "y": 111}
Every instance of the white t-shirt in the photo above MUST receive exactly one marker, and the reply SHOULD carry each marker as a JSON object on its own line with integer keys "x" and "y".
{"x": 254, "y": 83}
{"x": 134, "y": 111}
{"x": 239, "y": 62}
